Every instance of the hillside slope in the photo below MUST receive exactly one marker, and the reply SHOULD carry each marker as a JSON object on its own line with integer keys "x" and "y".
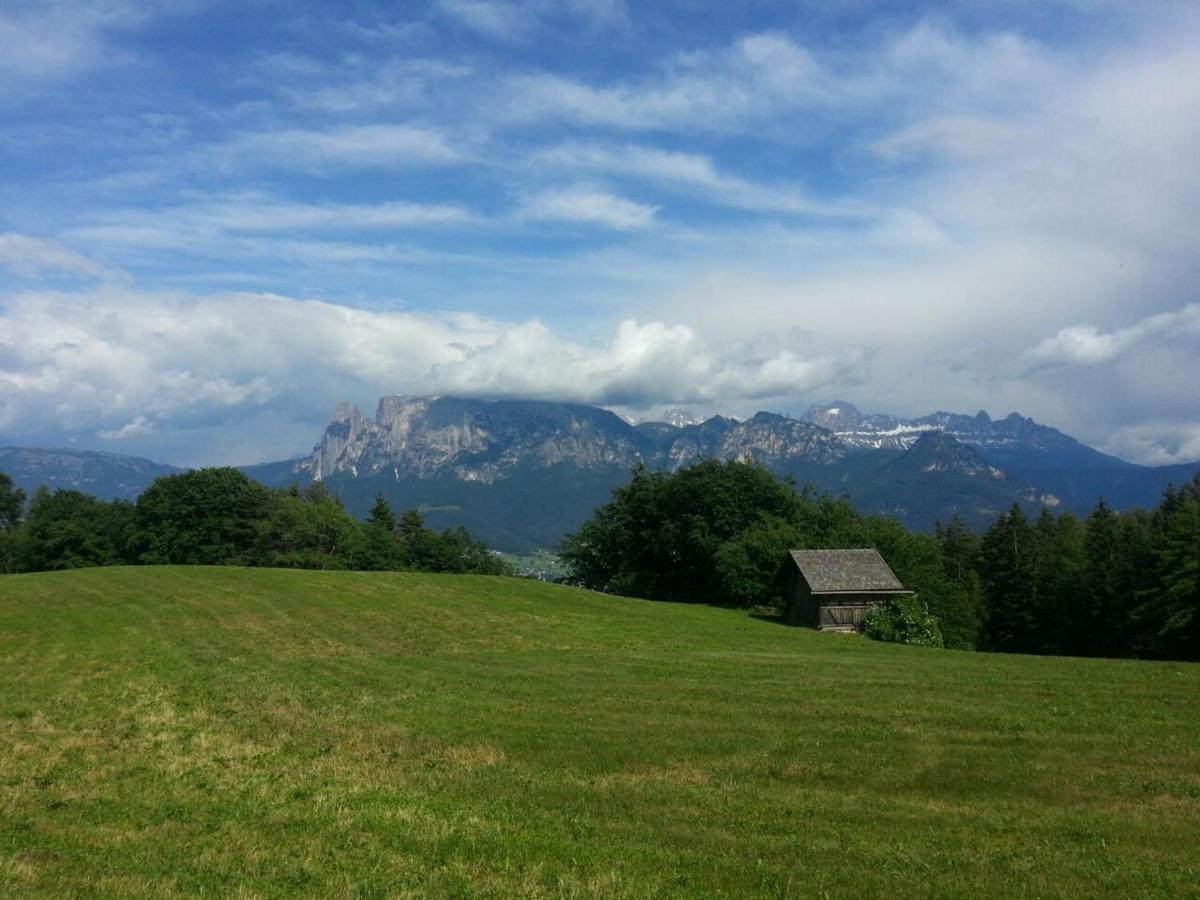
{"x": 107, "y": 475}
{"x": 231, "y": 731}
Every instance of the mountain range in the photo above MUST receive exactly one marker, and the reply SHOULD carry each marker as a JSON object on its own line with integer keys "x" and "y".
{"x": 519, "y": 474}
{"x": 110, "y": 476}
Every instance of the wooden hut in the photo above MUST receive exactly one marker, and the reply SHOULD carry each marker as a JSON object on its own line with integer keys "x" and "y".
{"x": 835, "y": 589}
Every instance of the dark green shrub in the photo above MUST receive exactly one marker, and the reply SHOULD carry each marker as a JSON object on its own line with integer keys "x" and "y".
{"x": 903, "y": 620}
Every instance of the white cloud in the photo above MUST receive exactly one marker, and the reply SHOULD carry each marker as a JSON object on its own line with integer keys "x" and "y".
{"x": 125, "y": 364}
{"x": 29, "y": 257}
{"x": 1156, "y": 443}
{"x": 40, "y": 41}
{"x": 1002, "y": 210}
{"x": 753, "y": 79}
{"x": 588, "y": 205}
{"x": 358, "y": 85}
{"x": 269, "y": 216}
{"x": 1087, "y": 345}
{"x": 336, "y": 149}
{"x": 138, "y": 425}
{"x": 507, "y": 21}
{"x": 771, "y": 81}
{"x": 260, "y": 213}
{"x": 642, "y": 364}
{"x": 518, "y": 20}
{"x": 691, "y": 171}
{"x": 964, "y": 137}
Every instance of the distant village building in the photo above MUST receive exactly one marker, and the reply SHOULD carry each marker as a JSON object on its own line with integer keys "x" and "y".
{"x": 835, "y": 589}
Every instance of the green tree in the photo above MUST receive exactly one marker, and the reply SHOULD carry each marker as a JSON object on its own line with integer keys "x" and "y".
{"x": 381, "y": 515}
{"x": 749, "y": 562}
{"x": 12, "y": 503}
{"x": 16, "y": 551}
{"x": 918, "y": 563}
{"x": 454, "y": 550}
{"x": 1007, "y": 566}
{"x": 14, "y": 545}
{"x": 379, "y": 546}
{"x": 959, "y": 546}
{"x": 203, "y": 517}
{"x": 1178, "y": 573}
{"x": 711, "y": 533}
{"x": 1101, "y": 617}
{"x": 1167, "y": 615}
{"x": 1061, "y": 567}
{"x": 310, "y": 530}
{"x": 70, "y": 530}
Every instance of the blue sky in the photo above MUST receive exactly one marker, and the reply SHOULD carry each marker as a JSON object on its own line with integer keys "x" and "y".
{"x": 219, "y": 219}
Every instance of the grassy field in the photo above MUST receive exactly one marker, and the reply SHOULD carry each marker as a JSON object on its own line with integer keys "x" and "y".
{"x": 171, "y": 731}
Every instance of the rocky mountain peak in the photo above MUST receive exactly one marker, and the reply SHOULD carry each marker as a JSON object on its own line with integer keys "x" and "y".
{"x": 679, "y": 416}
{"x": 836, "y": 416}
{"x": 477, "y": 440}
{"x": 936, "y": 451}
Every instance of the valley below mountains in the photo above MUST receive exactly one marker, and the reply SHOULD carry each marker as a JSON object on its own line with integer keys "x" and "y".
{"x": 521, "y": 474}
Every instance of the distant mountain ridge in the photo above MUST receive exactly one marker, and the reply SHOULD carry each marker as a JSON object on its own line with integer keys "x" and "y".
{"x": 481, "y": 440}
{"x": 521, "y": 473}
{"x": 1014, "y": 438}
{"x": 108, "y": 475}
{"x": 540, "y": 467}
{"x": 1034, "y": 453}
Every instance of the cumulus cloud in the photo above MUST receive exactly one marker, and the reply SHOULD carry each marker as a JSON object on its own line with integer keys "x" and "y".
{"x": 124, "y": 364}
{"x": 1156, "y": 443}
{"x": 1005, "y": 219}
{"x": 1087, "y": 345}
{"x": 643, "y": 364}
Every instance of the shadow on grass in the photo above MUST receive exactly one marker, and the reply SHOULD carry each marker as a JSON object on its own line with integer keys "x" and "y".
{"x": 774, "y": 618}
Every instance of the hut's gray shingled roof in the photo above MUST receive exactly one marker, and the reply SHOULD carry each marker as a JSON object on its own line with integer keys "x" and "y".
{"x": 845, "y": 570}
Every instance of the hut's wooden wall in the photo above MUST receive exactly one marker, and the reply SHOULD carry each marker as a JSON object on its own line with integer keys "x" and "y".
{"x": 803, "y": 607}
{"x": 841, "y": 613}
{"x": 798, "y": 600}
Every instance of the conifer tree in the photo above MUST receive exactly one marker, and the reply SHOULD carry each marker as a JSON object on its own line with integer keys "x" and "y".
{"x": 1100, "y": 618}
{"x": 12, "y": 503}
{"x": 1060, "y": 576}
{"x": 381, "y": 515}
{"x": 960, "y": 549}
{"x": 1007, "y": 567}
{"x": 1167, "y": 617}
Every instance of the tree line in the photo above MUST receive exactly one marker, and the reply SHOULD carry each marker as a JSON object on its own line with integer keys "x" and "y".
{"x": 1112, "y": 584}
{"x": 1108, "y": 585}
{"x": 219, "y": 516}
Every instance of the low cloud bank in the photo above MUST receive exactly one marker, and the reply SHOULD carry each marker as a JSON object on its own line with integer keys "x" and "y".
{"x": 122, "y": 364}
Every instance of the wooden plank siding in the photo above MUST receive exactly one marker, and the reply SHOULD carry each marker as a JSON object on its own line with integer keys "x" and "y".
{"x": 849, "y": 584}
{"x": 844, "y": 615}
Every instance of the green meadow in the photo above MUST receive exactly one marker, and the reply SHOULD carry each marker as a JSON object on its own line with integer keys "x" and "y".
{"x": 254, "y": 733}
